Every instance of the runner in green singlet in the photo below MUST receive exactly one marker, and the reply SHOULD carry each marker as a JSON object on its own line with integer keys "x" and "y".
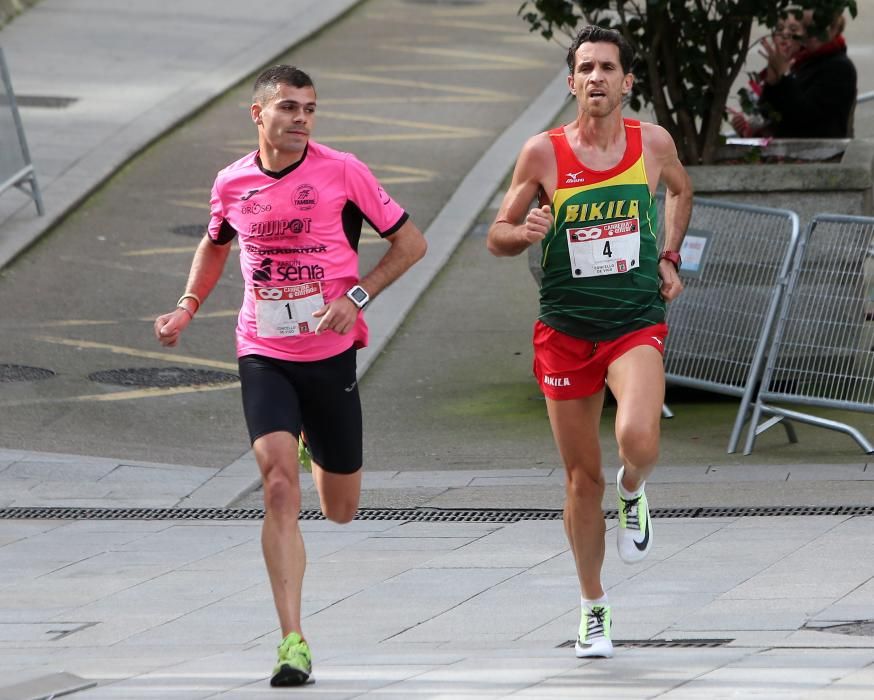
{"x": 602, "y": 299}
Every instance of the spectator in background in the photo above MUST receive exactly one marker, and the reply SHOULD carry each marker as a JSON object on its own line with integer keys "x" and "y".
{"x": 787, "y": 39}
{"x": 813, "y": 94}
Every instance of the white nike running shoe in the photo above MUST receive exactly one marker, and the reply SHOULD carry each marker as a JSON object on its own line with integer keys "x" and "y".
{"x": 634, "y": 534}
{"x": 594, "y": 637}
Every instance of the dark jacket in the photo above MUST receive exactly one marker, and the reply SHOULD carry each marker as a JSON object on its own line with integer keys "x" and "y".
{"x": 816, "y": 99}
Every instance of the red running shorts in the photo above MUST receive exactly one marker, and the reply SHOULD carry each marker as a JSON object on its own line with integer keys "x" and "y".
{"x": 572, "y": 368}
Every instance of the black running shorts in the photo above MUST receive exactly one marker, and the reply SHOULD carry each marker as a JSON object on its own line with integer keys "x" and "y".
{"x": 319, "y": 397}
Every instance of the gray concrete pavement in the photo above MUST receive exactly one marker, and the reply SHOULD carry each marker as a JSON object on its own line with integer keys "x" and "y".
{"x": 176, "y": 609}
{"x": 422, "y": 131}
{"x": 133, "y": 71}
{"x": 181, "y": 609}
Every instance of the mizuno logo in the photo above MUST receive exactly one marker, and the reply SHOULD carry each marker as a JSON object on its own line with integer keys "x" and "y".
{"x": 658, "y": 340}
{"x": 574, "y": 177}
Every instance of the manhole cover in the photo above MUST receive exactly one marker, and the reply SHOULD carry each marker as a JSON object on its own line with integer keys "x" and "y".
{"x": 190, "y": 230}
{"x": 22, "y": 373}
{"x": 857, "y": 628}
{"x": 163, "y": 377}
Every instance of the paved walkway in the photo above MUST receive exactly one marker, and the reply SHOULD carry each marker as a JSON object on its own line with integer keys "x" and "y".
{"x": 133, "y": 71}
{"x": 159, "y": 608}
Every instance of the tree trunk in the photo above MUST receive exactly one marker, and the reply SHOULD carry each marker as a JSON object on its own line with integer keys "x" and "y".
{"x": 674, "y": 84}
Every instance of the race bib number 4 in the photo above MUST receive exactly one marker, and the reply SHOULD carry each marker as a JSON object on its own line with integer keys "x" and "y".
{"x": 285, "y": 311}
{"x": 605, "y": 249}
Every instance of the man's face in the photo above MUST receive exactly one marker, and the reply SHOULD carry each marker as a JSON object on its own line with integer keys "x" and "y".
{"x": 598, "y": 81}
{"x": 286, "y": 121}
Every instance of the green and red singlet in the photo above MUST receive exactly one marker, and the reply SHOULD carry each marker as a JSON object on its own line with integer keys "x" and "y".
{"x": 600, "y": 260}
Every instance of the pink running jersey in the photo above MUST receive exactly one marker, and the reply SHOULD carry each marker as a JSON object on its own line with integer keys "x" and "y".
{"x": 298, "y": 232}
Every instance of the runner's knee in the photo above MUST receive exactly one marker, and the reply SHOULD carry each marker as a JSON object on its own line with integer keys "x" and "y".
{"x": 281, "y": 491}
{"x": 340, "y": 511}
{"x": 583, "y": 485}
{"x": 638, "y": 444}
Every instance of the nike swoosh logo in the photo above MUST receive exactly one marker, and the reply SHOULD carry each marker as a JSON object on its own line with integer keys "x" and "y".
{"x": 645, "y": 541}
{"x": 350, "y": 388}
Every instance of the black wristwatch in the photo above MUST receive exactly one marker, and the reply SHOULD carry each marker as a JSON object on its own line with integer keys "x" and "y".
{"x": 359, "y": 296}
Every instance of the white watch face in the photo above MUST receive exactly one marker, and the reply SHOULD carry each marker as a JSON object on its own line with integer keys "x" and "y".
{"x": 358, "y": 295}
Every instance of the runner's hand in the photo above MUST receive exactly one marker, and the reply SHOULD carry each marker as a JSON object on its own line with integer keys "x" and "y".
{"x": 538, "y": 223}
{"x": 169, "y": 326}
{"x": 338, "y": 316}
{"x": 671, "y": 284}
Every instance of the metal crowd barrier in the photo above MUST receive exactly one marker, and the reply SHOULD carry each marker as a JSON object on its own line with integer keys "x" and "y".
{"x": 822, "y": 353}
{"x": 736, "y": 262}
{"x": 16, "y": 169}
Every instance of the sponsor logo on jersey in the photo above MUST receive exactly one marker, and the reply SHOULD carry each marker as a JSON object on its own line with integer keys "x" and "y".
{"x": 305, "y": 197}
{"x": 295, "y": 272}
{"x": 290, "y": 272}
{"x": 599, "y": 211}
{"x": 263, "y": 273}
{"x": 255, "y": 208}
{"x": 277, "y": 228}
{"x": 302, "y": 250}
{"x": 574, "y": 178}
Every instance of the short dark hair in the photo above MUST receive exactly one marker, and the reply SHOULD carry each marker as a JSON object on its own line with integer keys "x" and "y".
{"x": 592, "y": 34}
{"x": 267, "y": 84}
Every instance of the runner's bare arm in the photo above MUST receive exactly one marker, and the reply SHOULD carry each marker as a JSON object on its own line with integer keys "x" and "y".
{"x": 407, "y": 247}
{"x": 517, "y": 224}
{"x": 206, "y": 268}
{"x": 663, "y": 164}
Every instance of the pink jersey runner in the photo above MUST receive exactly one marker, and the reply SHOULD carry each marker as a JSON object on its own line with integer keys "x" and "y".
{"x": 298, "y": 232}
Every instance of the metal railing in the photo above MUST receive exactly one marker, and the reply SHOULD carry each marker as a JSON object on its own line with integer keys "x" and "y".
{"x": 822, "y": 352}
{"x": 736, "y": 262}
{"x": 16, "y": 169}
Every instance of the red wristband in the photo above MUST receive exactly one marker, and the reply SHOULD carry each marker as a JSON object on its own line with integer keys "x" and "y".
{"x": 672, "y": 257}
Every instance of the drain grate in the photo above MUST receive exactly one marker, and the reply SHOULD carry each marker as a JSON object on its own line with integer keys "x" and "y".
{"x": 662, "y": 643}
{"x": 40, "y": 101}
{"x": 190, "y": 230}
{"x": 856, "y": 628}
{"x": 163, "y": 377}
{"x": 25, "y": 513}
{"x": 757, "y": 511}
{"x": 23, "y": 373}
{"x": 431, "y": 515}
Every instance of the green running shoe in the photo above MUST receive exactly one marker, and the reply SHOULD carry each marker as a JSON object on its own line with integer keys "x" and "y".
{"x": 594, "y": 637}
{"x": 295, "y": 664}
{"x": 304, "y": 457}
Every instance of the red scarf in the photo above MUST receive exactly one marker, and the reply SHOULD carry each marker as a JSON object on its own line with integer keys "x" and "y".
{"x": 836, "y": 45}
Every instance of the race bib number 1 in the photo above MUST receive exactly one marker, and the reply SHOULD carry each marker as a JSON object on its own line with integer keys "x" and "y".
{"x": 286, "y": 311}
{"x": 605, "y": 249}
